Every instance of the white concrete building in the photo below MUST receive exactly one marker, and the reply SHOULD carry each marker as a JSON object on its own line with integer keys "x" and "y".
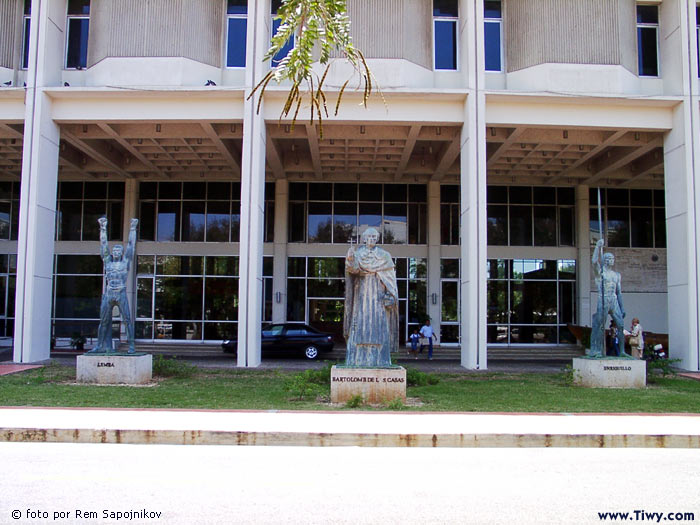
{"x": 501, "y": 120}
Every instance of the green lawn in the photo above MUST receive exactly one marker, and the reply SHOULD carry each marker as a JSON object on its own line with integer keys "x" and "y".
{"x": 265, "y": 390}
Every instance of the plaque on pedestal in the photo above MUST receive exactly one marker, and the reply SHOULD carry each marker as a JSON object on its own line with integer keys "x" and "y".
{"x": 114, "y": 369}
{"x": 610, "y": 373}
{"x": 375, "y": 385}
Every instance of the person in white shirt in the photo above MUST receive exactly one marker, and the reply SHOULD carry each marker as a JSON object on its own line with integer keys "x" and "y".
{"x": 427, "y": 333}
{"x": 636, "y": 339}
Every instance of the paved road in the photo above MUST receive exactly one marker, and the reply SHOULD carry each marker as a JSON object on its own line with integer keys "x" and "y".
{"x": 221, "y": 484}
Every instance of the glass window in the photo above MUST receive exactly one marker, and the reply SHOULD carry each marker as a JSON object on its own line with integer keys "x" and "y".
{"x": 395, "y": 224}
{"x": 77, "y": 288}
{"x": 520, "y": 224}
{"x": 449, "y": 214}
{"x": 193, "y": 221}
{"x": 497, "y": 225}
{"x": 187, "y": 297}
{"x": 218, "y": 221}
{"x": 288, "y": 46}
{"x": 180, "y": 213}
{"x": 449, "y": 268}
{"x": 642, "y": 227}
{"x": 77, "y": 36}
{"x": 533, "y": 303}
{"x": 371, "y": 217}
{"x": 339, "y": 212}
{"x": 26, "y": 25}
{"x": 648, "y": 40}
{"x": 297, "y": 222}
{"x": 445, "y": 19}
{"x": 371, "y": 192}
{"x": 530, "y": 216}
{"x": 497, "y": 194}
{"x": 237, "y": 24}
{"x": 545, "y": 225}
{"x": 320, "y": 222}
{"x": 493, "y": 32}
{"x": 631, "y": 218}
{"x": 168, "y": 222}
{"x": 344, "y": 221}
{"x": 9, "y": 211}
{"x": 81, "y": 204}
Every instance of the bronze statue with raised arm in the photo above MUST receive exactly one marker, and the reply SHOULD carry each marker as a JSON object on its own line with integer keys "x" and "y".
{"x": 609, "y": 285}
{"x": 116, "y": 268}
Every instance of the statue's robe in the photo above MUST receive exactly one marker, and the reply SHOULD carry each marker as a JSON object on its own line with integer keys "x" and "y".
{"x": 371, "y": 328}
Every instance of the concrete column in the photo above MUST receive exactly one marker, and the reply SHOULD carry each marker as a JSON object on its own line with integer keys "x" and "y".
{"x": 683, "y": 237}
{"x": 252, "y": 191}
{"x": 434, "y": 255}
{"x": 473, "y": 189}
{"x": 583, "y": 263}
{"x": 279, "y": 280}
{"x": 681, "y": 164}
{"x": 37, "y": 220}
{"x": 131, "y": 203}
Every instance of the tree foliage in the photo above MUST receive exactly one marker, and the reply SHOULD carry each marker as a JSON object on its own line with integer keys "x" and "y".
{"x": 312, "y": 23}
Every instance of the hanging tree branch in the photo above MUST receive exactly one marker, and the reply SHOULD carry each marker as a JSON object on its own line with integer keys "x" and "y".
{"x": 311, "y": 22}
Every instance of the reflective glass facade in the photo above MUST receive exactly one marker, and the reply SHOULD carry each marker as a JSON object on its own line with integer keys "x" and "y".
{"x": 316, "y": 292}
{"x": 530, "y": 216}
{"x": 337, "y": 213}
{"x": 191, "y": 298}
{"x": 530, "y": 301}
{"x": 630, "y": 218}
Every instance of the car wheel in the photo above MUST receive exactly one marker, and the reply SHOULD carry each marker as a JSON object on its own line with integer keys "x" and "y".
{"x": 311, "y": 352}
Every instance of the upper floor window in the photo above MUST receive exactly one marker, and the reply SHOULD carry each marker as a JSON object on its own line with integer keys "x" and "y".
{"x": 80, "y": 204}
{"x": 631, "y": 218}
{"x": 282, "y": 53}
{"x": 237, "y": 25}
{"x": 445, "y": 19}
{"x": 648, "y": 40}
{"x": 9, "y": 213}
{"x": 697, "y": 35}
{"x": 338, "y": 212}
{"x": 78, "y": 27}
{"x": 449, "y": 214}
{"x": 493, "y": 34}
{"x": 530, "y": 216}
{"x": 26, "y": 23}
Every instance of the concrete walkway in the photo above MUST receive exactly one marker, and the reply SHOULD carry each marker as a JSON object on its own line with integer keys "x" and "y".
{"x": 381, "y": 429}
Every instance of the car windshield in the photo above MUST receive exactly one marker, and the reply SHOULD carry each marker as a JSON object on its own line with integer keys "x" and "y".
{"x": 275, "y": 329}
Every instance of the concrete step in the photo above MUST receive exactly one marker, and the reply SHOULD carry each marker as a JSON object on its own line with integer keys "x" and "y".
{"x": 557, "y": 353}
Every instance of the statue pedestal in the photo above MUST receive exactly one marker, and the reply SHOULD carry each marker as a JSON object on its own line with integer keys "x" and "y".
{"x": 610, "y": 373}
{"x": 111, "y": 369}
{"x": 375, "y": 385}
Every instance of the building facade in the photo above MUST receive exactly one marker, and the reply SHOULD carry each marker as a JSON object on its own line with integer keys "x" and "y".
{"x": 499, "y": 127}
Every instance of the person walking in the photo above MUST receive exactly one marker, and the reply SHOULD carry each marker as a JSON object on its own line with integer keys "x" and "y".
{"x": 427, "y": 332}
{"x": 636, "y": 339}
{"x": 415, "y": 337}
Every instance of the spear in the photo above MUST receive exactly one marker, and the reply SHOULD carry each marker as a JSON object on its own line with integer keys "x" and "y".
{"x": 600, "y": 259}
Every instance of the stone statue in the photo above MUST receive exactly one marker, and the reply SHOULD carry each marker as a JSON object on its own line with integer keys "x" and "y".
{"x": 371, "y": 324}
{"x": 609, "y": 285}
{"x": 116, "y": 271}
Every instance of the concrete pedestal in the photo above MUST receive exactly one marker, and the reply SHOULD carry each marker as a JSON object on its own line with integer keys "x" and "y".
{"x": 610, "y": 373}
{"x": 375, "y": 385}
{"x": 134, "y": 369}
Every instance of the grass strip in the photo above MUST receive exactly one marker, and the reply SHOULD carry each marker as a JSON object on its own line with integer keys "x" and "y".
{"x": 55, "y": 385}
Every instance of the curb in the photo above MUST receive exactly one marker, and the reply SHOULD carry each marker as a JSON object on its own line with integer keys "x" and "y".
{"x": 344, "y": 439}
